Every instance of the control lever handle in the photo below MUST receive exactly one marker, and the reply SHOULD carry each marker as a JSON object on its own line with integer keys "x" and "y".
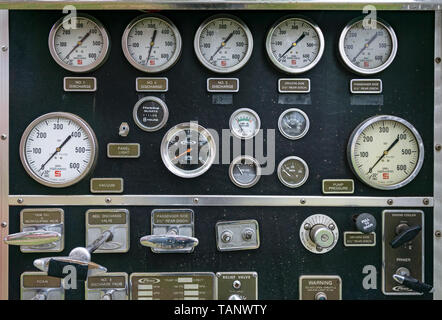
{"x": 406, "y": 235}
{"x": 170, "y": 240}
{"x": 413, "y": 283}
{"x": 32, "y": 238}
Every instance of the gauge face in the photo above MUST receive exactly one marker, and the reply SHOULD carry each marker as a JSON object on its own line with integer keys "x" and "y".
{"x": 244, "y": 123}
{"x": 151, "y": 43}
{"x": 368, "y": 49}
{"x": 293, "y": 124}
{"x": 295, "y": 45}
{"x": 245, "y": 171}
{"x": 80, "y": 44}
{"x": 223, "y": 43}
{"x": 293, "y": 172}
{"x": 385, "y": 152}
{"x": 150, "y": 114}
{"x": 58, "y": 149}
{"x": 188, "y": 150}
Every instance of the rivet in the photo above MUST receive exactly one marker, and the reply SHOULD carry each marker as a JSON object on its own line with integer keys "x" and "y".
{"x": 108, "y": 200}
{"x": 20, "y": 200}
{"x": 438, "y": 234}
{"x": 4, "y": 136}
{"x": 4, "y": 224}
{"x": 390, "y": 202}
{"x": 438, "y": 147}
{"x": 331, "y": 226}
{"x": 307, "y": 226}
{"x": 302, "y": 201}
{"x": 426, "y": 201}
{"x": 196, "y": 200}
{"x": 438, "y": 59}
{"x": 4, "y": 48}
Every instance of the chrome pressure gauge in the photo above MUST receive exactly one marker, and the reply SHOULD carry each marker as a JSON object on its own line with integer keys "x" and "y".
{"x": 188, "y": 150}
{"x": 367, "y": 47}
{"x": 223, "y": 43}
{"x": 295, "y": 45}
{"x": 79, "y": 44}
{"x": 244, "y": 123}
{"x": 245, "y": 171}
{"x": 58, "y": 149}
{"x": 293, "y": 172}
{"x": 293, "y": 124}
{"x": 385, "y": 152}
{"x": 151, "y": 43}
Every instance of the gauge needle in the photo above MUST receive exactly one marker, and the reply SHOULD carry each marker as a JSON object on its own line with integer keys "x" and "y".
{"x": 152, "y": 42}
{"x": 223, "y": 44}
{"x": 385, "y": 153}
{"x": 294, "y": 44}
{"x": 182, "y": 154}
{"x": 79, "y": 43}
{"x": 239, "y": 169}
{"x": 366, "y": 46}
{"x": 57, "y": 150}
{"x": 283, "y": 169}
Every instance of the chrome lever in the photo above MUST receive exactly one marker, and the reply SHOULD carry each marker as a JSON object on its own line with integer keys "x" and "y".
{"x": 171, "y": 240}
{"x": 42, "y": 294}
{"x": 32, "y": 238}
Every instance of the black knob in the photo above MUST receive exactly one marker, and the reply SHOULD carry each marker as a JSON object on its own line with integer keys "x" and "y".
{"x": 365, "y": 223}
{"x": 413, "y": 283}
{"x": 405, "y": 235}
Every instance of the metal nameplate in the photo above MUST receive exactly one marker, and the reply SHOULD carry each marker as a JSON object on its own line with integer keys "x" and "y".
{"x": 287, "y": 85}
{"x": 114, "y": 284}
{"x": 123, "y": 150}
{"x": 338, "y": 186}
{"x": 80, "y": 84}
{"x": 107, "y": 185}
{"x": 114, "y": 220}
{"x": 33, "y": 283}
{"x": 242, "y": 284}
{"x": 318, "y": 287}
{"x": 359, "y": 239}
{"x": 366, "y": 86}
{"x": 237, "y": 235}
{"x": 222, "y": 85}
{"x": 173, "y": 286}
{"x": 152, "y": 84}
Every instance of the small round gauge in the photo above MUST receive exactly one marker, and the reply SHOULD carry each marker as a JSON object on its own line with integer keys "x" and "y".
{"x": 244, "y": 123}
{"x": 385, "y": 152}
{"x": 245, "y": 171}
{"x": 188, "y": 150}
{"x": 79, "y": 44}
{"x": 150, "y": 114}
{"x": 293, "y": 172}
{"x": 151, "y": 43}
{"x": 58, "y": 149}
{"x": 223, "y": 43}
{"x": 367, "y": 48}
{"x": 295, "y": 45}
{"x": 293, "y": 124}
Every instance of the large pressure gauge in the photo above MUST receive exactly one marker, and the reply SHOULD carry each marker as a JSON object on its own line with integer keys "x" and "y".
{"x": 367, "y": 46}
{"x": 385, "y": 152}
{"x": 151, "y": 43}
{"x": 58, "y": 149}
{"x": 295, "y": 45}
{"x": 223, "y": 43}
{"x": 79, "y": 44}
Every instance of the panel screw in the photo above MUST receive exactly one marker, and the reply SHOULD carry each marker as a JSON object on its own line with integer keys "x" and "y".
{"x": 302, "y": 201}
{"x": 438, "y": 147}
{"x": 247, "y": 234}
{"x": 4, "y": 48}
{"x": 426, "y": 201}
{"x": 226, "y": 236}
{"x": 438, "y": 234}
{"x": 331, "y": 226}
{"x": 307, "y": 226}
{"x": 389, "y": 202}
{"x": 196, "y": 200}
{"x": 4, "y": 136}
{"x": 4, "y": 224}
{"x": 20, "y": 200}
{"x": 108, "y": 200}
{"x": 438, "y": 60}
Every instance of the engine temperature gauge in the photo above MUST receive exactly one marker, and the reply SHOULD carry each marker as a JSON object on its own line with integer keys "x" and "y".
{"x": 244, "y": 123}
{"x": 245, "y": 171}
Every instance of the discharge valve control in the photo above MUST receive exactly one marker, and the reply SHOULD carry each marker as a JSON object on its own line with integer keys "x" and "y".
{"x": 319, "y": 233}
{"x": 404, "y": 234}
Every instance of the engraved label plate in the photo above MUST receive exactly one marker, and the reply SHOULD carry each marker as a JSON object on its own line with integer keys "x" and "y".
{"x": 243, "y": 284}
{"x": 33, "y": 283}
{"x": 115, "y": 220}
{"x": 111, "y": 283}
{"x": 319, "y": 287}
{"x": 123, "y": 150}
{"x": 338, "y": 186}
{"x": 294, "y": 85}
{"x": 359, "y": 239}
{"x": 222, "y": 85}
{"x": 152, "y": 84}
{"x": 237, "y": 235}
{"x": 50, "y": 219}
{"x": 173, "y": 286}
{"x": 80, "y": 84}
{"x": 107, "y": 185}
{"x": 366, "y": 86}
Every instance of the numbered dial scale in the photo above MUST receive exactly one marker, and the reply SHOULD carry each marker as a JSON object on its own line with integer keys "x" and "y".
{"x": 293, "y": 124}
{"x": 385, "y": 152}
{"x": 368, "y": 46}
{"x": 79, "y": 44}
{"x": 244, "y": 123}
{"x": 58, "y": 149}
{"x": 223, "y": 43}
{"x": 295, "y": 45}
{"x": 188, "y": 150}
{"x": 245, "y": 171}
{"x": 293, "y": 172}
{"x": 151, "y": 43}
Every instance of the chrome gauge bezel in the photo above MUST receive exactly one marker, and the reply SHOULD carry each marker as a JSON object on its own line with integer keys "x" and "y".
{"x": 362, "y": 71}
{"x": 169, "y": 64}
{"x": 74, "y": 118}
{"x": 162, "y": 122}
{"x": 232, "y": 167}
{"x": 291, "y": 185}
{"x": 258, "y": 123}
{"x": 211, "y": 67}
{"x": 357, "y": 132}
{"x": 280, "y": 66}
{"x": 307, "y": 124}
{"x": 100, "y": 60}
{"x": 164, "y": 151}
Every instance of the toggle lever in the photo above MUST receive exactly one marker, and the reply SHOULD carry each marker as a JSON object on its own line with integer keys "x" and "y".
{"x": 405, "y": 234}
{"x": 413, "y": 284}
{"x": 33, "y": 238}
{"x": 169, "y": 241}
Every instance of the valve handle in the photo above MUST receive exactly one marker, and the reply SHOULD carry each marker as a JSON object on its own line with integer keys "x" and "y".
{"x": 405, "y": 236}
{"x": 32, "y": 238}
{"x": 169, "y": 241}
